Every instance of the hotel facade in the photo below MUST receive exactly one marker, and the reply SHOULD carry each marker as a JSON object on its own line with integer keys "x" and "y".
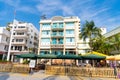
{"x": 60, "y": 36}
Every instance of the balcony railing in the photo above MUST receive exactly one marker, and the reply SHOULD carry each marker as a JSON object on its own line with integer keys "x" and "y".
{"x": 57, "y": 35}
{"x": 57, "y": 46}
{"x": 57, "y": 27}
{"x": 22, "y": 43}
{"x": 55, "y": 43}
{"x": 22, "y": 36}
{"x": 21, "y": 29}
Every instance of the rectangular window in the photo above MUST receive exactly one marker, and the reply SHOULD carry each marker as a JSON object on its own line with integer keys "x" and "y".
{"x": 71, "y": 39}
{"x": 19, "y": 40}
{"x": 54, "y": 25}
{"x": 46, "y": 32}
{"x": 69, "y": 24}
{"x": 21, "y": 26}
{"x": 61, "y": 25}
{"x": 46, "y": 25}
{"x": 69, "y": 32}
{"x": 45, "y": 40}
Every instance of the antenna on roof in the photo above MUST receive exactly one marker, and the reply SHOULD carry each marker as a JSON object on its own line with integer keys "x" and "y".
{"x": 43, "y": 16}
{"x": 14, "y": 14}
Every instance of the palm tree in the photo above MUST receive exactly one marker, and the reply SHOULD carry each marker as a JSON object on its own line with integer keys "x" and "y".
{"x": 90, "y": 31}
{"x": 102, "y": 45}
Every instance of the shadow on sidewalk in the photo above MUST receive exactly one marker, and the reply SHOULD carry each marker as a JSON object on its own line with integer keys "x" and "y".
{"x": 50, "y": 78}
{"x": 4, "y": 76}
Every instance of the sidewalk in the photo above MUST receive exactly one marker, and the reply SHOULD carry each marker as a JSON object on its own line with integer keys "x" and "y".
{"x": 42, "y": 76}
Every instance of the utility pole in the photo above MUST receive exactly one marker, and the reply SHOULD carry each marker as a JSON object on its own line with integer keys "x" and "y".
{"x": 11, "y": 37}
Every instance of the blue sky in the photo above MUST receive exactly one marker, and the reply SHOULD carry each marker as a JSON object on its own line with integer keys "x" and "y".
{"x": 105, "y": 13}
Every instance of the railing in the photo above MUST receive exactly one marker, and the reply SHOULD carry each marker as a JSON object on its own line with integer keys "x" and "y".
{"x": 57, "y": 35}
{"x": 57, "y": 46}
{"x": 57, "y": 27}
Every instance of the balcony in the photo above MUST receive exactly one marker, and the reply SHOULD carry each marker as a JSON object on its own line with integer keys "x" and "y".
{"x": 57, "y": 27}
{"x": 20, "y": 36}
{"x": 19, "y": 43}
{"x": 21, "y": 29}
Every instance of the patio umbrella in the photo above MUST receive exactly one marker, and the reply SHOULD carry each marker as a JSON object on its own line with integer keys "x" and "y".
{"x": 114, "y": 57}
{"x": 28, "y": 55}
{"x": 90, "y": 56}
{"x": 98, "y": 53}
{"x": 110, "y": 57}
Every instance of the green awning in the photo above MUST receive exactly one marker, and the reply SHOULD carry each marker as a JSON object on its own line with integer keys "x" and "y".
{"x": 92, "y": 57}
{"x": 69, "y": 56}
{"x": 47, "y": 56}
{"x": 28, "y": 55}
{"x": 52, "y": 56}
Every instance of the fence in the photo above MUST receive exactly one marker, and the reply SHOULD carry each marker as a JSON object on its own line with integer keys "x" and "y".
{"x": 80, "y": 71}
{"x": 18, "y": 68}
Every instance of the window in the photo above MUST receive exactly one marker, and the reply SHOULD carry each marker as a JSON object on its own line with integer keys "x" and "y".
{"x": 45, "y": 40}
{"x": 20, "y": 33}
{"x": 5, "y": 48}
{"x": 13, "y": 33}
{"x": 21, "y": 26}
{"x": 12, "y": 40}
{"x": 61, "y": 25}
{"x": 11, "y": 47}
{"x": 69, "y": 24}
{"x": 46, "y": 25}
{"x": 30, "y": 42}
{"x": 70, "y": 39}
{"x": 7, "y": 39}
{"x": 46, "y": 32}
{"x": 19, "y": 40}
{"x": 69, "y": 32}
{"x": 54, "y": 25}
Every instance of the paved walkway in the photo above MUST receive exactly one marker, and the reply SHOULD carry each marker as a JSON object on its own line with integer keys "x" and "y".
{"x": 41, "y": 76}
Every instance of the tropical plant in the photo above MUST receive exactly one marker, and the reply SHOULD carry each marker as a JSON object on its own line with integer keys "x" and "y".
{"x": 7, "y": 28}
{"x": 101, "y": 44}
{"x": 90, "y": 31}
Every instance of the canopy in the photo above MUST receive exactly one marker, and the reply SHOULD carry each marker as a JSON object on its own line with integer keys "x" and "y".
{"x": 69, "y": 56}
{"x": 93, "y": 56}
{"x": 98, "y": 53}
{"x": 28, "y": 55}
{"x": 52, "y": 56}
{"x": 47, "y": 56}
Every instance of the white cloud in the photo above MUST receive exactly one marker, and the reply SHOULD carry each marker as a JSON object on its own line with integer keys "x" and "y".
{"x": 11, "y": 2}
{"x": 50, "y": 8}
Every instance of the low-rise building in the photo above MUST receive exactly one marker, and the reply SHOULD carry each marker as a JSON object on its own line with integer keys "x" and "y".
{"x": 24, "y": 38}
{"x": 113, "y": 38}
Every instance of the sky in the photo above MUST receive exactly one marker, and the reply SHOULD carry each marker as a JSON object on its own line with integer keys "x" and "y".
{"x": 105, "y": 13}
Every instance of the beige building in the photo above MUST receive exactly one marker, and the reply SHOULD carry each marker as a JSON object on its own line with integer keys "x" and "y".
{"x": 59, "y": 35}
